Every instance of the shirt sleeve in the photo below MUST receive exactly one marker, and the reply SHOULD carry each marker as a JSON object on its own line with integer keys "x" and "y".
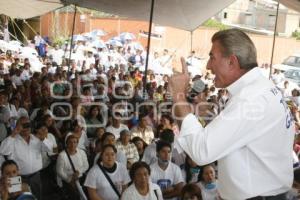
{"x": 91, "y": 179}
{"x": 7, "y": 145}
{"x": 60, "y": 168}
{"x": 178, "y": 175}
{"x": 125, "y": 174}
{"x": 236, "y": 126}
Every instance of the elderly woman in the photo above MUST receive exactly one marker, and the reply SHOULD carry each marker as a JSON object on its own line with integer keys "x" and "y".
{"x": 141, "y": 187}
{"x": 108, "y": 178}
{"x": 129, "y": 149}
{"x": 78, "y": 131}
{"x": 64, "y": 167}
{"x": 208, "y": 183}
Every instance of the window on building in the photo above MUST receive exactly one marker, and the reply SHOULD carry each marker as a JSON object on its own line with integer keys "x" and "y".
{"x": 272, "y": 20}
{"x": 248, "y": 19}
{"x": 225, "y": 15}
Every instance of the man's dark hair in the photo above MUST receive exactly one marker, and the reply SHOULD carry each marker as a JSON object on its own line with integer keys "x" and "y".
{"x": 167, "y": 135}
{"x": 136, "y": 166}
{"x": 161, "y": 144}
{"x": 6, "y": 163}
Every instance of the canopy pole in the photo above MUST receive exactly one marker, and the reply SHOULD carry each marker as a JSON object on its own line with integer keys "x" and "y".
{"x": 20, "y": 30}
{"x": 71, "y": 44}
{"x": 13, "y": 25}
{"x": 191, "y": 47}
{"x": 148, "y": 48}
{"x": 274, "y": 39}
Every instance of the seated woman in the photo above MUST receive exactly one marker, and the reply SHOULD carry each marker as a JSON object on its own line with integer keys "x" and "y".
{"x": 140, "y": 145}
{"x": 108, "y": 138}
{"x": 78, "y": 131}
{"x": 10, "y": 169}
{"x": 93, "y": 120}
{"x": 129, "y": 149}
{"x": 208, "y": 183}
{"x": 141, "y": 187}
{"x": 108, "y": 178}
{"x": 64, "y": 167}
{"x": 191, "y": 191}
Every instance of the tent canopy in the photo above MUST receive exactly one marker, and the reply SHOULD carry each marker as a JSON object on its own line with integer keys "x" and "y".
{"x": 182, "y": 14}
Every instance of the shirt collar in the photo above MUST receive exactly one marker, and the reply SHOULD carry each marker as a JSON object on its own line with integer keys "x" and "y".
{"x": 243, "y": 81}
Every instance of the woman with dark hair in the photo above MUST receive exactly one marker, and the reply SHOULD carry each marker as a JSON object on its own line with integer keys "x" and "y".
{"x": 93, "y": 121}
{"x": 108, "y": 138}
{"x": 108, "y": 178}
{"x": 140, "y": 145}
{"x": 191, "y": 191}
{"x": 141, "y": 187}
{"x": 10, "y": 169}
{"x": 168, "y": 123}
{"x": 208, "y": 183}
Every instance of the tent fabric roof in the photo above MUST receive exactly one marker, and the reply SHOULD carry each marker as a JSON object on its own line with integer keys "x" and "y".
{"x": 24, "y": 9}
{"x": 182, "y": 14}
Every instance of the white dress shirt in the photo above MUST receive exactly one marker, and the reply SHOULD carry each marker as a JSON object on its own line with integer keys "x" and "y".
{"x": 27, "y": 156}
{"x": 252, "y": 139}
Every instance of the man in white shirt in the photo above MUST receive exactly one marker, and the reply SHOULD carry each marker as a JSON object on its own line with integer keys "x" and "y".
{"x": 116, "y": 126}
{"x": 26, "y": 150}
{"x": 165, "y": 173}
{"x": 252, "y": 138}
{"x": 57, "y": 55}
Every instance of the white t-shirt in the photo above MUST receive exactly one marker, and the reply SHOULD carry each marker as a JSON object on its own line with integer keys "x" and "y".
{"x": 131, "y": 193}
{"x": 95, "y": 179}
{"x": 209, "y": 194}
{"x": 116, "y": 131}
{"x": 166, "y": 178}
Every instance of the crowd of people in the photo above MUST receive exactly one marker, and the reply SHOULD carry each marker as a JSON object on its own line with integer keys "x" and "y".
{"x": 90, "y": 129}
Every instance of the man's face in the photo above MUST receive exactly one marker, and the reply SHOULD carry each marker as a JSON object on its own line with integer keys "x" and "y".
{"x": 219, "y": 65}
{"x": 165, "y": 153}
{"x": 26, "y": 129}
{"x": 10, "y": 171}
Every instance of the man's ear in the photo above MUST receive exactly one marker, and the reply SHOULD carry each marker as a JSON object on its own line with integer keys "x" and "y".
{"x": 234, "y": 62}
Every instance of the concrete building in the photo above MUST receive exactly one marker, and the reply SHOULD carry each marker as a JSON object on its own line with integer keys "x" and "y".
{"x": 259, "y": 16}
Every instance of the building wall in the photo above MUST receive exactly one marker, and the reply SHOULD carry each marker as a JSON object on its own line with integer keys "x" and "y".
{"x": 177, "y": 41}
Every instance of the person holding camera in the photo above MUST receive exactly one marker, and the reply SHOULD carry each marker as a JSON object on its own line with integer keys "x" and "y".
{"x": 11, "y": 185}
{"x": 26, "y": 150}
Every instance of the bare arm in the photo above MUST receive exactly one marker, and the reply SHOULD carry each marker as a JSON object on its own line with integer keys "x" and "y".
{"x": 173, "y": 191}
{"x": 93, "y": 194}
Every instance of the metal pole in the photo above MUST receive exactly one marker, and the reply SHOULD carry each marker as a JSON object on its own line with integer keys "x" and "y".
{"x": 191, "y": 47}
{"x": 148, "y": 47}
{"x": 73, "y": 27}
{"x": 274, "y": 37}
